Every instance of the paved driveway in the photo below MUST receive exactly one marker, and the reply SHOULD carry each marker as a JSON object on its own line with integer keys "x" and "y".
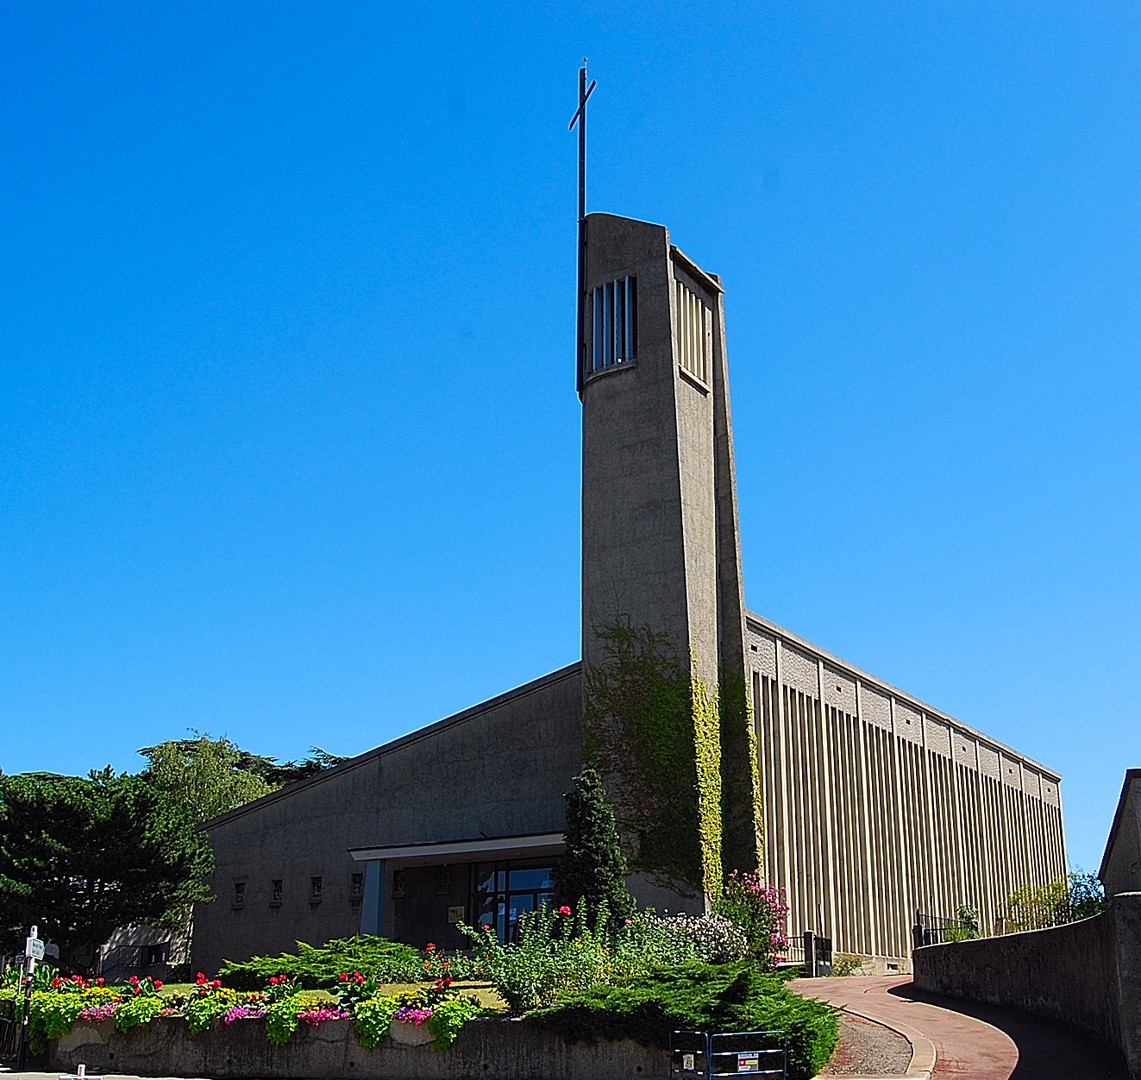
{"x": 954, "y": 1040}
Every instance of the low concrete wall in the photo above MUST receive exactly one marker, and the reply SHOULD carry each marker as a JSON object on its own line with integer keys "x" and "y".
{"x": 484, "y": 1050}
{"x": 1087, "y": 973}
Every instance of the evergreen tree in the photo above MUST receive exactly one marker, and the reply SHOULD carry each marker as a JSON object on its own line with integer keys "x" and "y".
{"x": 81, "y": 856}
{"x": 594, "y": 868}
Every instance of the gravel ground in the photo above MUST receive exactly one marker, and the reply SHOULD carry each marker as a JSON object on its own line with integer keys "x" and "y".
{"x": 868, "y": 1049}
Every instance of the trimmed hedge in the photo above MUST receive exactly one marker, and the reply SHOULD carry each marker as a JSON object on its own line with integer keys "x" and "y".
{"x": 710, "y": 997}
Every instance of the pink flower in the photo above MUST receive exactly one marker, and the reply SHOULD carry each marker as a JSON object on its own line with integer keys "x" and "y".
{"x": 564, "y": 910}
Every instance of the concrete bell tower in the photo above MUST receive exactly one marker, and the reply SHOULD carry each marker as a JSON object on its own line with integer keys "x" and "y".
{"x": 660, "y": 539}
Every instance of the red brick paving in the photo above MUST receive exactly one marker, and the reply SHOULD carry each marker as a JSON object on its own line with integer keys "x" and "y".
{"x": 976, "y": 1041}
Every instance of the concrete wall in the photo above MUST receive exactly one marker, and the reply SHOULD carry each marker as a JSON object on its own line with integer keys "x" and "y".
{"x": 499, "y": 769}
{"x": 1087, "y": 973}
{"x": 499, "y": 1049}
{"x": 1121, "y": 865}
{"x": 876, "y": 804}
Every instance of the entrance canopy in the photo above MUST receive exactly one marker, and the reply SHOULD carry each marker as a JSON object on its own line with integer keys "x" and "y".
{"x": 532, "y": 846}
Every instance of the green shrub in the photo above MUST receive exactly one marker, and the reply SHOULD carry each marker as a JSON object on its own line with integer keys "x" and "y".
{"x": 138, "y": 1010}
{"x": 319, "y": 968}
{"x": 283, "y": 1017}
{"x": 649, "y": 941}
{"x": 559, "y": 950}
{"x": 845, "y": 964}
{"x": 759, "y": 910}
{"x": 727, "y": 997}
{"x": 51, "y": 1017}
{"x": 448, "y": 1017}
{"x": 281, "y": 1020}
{"x": 373, "y": 1019}
{"x": 201, "y": 1007}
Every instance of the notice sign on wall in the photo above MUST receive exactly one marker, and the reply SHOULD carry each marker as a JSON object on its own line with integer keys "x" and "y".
{"x": 456, "y": 914}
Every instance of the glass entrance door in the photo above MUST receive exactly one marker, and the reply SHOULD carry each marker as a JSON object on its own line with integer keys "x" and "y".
{"x": 503, "y": 891}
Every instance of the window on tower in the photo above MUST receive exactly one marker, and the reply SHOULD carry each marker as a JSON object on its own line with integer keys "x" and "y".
{"x": 615, "y": 309}
{"x": 694, "y": 334}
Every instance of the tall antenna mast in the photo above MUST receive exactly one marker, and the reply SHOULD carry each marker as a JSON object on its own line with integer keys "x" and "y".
{"x": 579, "y": 118}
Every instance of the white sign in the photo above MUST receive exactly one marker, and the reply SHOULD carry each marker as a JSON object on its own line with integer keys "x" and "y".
{"x": 34, "y": 947}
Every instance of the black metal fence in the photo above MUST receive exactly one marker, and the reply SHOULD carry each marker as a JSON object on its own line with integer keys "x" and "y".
{"x": 700, "y": 1055}
{"x": 934, "y": 930}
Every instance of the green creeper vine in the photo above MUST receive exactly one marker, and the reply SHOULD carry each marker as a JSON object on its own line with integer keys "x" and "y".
{"x": 742, "y": 809}
{"x": 707, "y": 757}
{"x": 651, "y": 727}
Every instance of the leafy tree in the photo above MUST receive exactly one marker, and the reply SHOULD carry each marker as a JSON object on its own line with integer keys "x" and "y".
{"x": 203, "y": 774}
{"x": 81, "y": 856}
{"x": 1079, "y": 895}
{"x": 1086, "y": 895}
{"x": 593, "y": 868}
{"x": 213, "y": 776}
{"x": 280, "y": 773}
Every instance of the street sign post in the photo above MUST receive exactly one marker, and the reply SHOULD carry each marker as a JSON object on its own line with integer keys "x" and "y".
{"x": 33, "y": 951}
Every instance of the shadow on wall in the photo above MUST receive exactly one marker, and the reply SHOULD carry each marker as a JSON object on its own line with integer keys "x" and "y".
{"x": 1086, "y": 973}
{"x": 1045, "y": 1048}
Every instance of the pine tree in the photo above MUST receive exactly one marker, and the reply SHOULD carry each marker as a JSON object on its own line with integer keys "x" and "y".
{"x": 593, "y": 869}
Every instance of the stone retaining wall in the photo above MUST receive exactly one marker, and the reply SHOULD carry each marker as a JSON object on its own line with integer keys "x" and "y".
{"x": 1087, "y": 973}
{"x": 484, "y": 1050}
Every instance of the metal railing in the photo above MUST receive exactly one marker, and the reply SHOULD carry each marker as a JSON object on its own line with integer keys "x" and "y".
{"x": 707, "y": 1054}
{"x": 934, "y": 930}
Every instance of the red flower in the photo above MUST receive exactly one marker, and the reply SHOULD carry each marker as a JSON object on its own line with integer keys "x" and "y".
{"x": 343, "y": 977}
{"x": 100, "y": 981}
{"x": 56, "y": 981}
{"x": 430, "y": 946}
{"x": 273, "y": 980}
{"x": 564, "y": 910}
{"x": 217, "y": 984}
{"x": 201, "y": 979}
{"x": 158, "y": 983}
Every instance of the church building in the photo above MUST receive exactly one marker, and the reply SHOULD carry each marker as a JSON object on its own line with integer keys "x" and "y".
{"x": 725, "y": 741}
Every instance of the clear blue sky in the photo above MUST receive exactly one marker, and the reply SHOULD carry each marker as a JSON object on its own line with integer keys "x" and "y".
{"x": 289, "y": 443}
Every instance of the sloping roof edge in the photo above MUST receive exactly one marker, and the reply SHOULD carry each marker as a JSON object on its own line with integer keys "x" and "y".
{"x": 395, "y": 744}
{"x": 1130, "y": 776}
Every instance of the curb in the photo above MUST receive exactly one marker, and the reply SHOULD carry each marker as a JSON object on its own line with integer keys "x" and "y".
{"x": 922, "y": 1063}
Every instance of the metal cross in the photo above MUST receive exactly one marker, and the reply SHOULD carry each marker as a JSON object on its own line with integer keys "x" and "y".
{"x": 579, "y": 118}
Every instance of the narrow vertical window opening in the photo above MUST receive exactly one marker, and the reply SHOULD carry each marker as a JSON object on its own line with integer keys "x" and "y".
{"x": 614, "y": 307}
